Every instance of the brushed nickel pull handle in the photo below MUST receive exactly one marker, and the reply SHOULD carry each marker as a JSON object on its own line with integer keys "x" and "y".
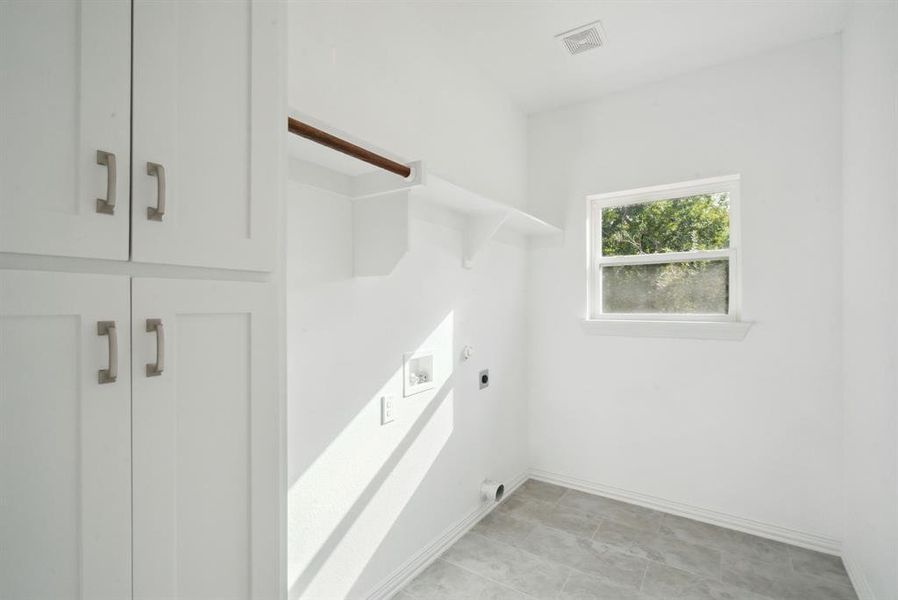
{"x": 156, "y": 214}
{"x": 154, "y": 370}
{"x": 109, "y": 375}
{"x": 107, "y": 206}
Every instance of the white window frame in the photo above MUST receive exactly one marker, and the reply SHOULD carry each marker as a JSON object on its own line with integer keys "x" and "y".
{"x": 597, "y": 202}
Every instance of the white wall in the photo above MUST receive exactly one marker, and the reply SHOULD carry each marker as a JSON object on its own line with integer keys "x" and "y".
{"x": 870, "y": 130}
{"x": 752, "y": 428}
{"x": 377, "y": 71}
{"x": 363, "y": 497}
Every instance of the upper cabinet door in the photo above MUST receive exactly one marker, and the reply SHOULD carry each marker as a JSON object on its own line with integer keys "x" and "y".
{"x": 65, "y": 437}
{"x": 206, "y": 440}
{"x": 209, "y": 119}
{"x": 65, "y": 70}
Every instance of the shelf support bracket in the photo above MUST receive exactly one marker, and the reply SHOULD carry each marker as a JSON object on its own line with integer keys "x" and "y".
{"x": 380, "y": 233}
{"x": 479, "y": 231}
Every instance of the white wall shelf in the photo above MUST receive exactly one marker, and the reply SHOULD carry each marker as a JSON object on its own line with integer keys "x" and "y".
{"x": 370, "y": 188}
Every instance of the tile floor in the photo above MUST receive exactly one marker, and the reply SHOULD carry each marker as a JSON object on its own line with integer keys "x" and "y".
{"x": 550, "y": 542}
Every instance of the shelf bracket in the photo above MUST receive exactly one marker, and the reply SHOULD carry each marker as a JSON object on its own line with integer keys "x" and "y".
{"x": 376, "y": 183}
{"x": 479, "y": 231}
{"x": 380, "y": 233}
{"x": 364, "y": 185}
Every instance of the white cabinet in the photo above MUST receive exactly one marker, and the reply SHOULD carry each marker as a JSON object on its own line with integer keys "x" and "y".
{"x": 65, "y": 95}
{"x": 155, "y": 485}
{"x": 163, "y": 483}
{"x": 208, "y": 112}
{"x": 65, "y": 438}
{"x": 206, "y": 440}
{"x": 206, "y": 87}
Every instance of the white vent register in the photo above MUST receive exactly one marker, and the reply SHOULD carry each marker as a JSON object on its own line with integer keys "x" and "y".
{"x": 584, "y": 38}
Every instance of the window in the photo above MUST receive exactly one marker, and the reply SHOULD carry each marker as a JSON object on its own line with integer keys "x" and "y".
{"x": 666, "y": 253}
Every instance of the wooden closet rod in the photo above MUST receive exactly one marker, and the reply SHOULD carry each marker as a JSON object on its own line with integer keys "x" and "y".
{"x": 331, "y": 141}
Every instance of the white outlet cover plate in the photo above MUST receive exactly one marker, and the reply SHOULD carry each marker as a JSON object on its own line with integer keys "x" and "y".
{"x": 387, "y": 409}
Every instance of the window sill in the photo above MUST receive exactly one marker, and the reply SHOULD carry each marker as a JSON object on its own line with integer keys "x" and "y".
{"x": 696, "y": 330}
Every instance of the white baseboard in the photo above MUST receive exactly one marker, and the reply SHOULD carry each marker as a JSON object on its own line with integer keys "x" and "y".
{"x": 858, "y": 579}
{"x": 766, "y": 530}
{"x": 420, "y": 561}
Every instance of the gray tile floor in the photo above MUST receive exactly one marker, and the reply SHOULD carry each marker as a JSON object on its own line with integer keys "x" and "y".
{"x": 550, "y": 542}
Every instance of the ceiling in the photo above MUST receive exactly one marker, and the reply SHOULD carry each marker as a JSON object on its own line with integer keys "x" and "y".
{"x": 512, "y": 42}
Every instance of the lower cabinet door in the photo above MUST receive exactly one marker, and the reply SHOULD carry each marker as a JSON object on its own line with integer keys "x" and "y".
{"x": 206, "y": 440}
{"x": 65, "y": 436}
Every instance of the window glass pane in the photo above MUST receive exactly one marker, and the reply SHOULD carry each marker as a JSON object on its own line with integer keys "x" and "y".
{"x": 697, "y": 287}
{"x": 678, "y": 225}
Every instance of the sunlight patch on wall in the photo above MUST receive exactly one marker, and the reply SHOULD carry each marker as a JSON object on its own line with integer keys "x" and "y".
{"x": 351, "y": 555}
{"x": 342, "y": 507}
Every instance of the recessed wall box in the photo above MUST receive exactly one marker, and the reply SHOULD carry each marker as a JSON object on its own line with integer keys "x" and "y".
{"x": 417, "y": 372}
{"x": 484, "y": 378}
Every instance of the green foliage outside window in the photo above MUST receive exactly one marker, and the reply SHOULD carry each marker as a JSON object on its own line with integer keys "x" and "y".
{"x": 681, "y": 225}
{"x": 688, "y": 224}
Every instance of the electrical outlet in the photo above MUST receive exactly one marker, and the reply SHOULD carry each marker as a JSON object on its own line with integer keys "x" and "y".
{"x": 484, "y": 378}
{"x": 387, "y": 408}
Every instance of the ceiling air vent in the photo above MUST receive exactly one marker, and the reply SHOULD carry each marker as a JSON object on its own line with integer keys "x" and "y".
{"x": 583, "y": 38}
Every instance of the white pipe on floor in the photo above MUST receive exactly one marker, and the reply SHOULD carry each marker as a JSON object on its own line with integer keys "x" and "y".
{"x": 492, "y": 491}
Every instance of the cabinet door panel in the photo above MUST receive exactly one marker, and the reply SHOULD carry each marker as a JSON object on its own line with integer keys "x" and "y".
{"x": 205, "y": 441}
{"x": 65, "y": 70}
{"x": 65, "y": 445}
{"x": 207, "y": 108}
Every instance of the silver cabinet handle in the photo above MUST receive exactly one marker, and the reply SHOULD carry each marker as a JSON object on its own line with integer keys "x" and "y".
{"x": 156, "y": 369}
{"x": 156, "y": 214}
{"x": 109, "y": 375}
{"x": 107, "y": 206}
